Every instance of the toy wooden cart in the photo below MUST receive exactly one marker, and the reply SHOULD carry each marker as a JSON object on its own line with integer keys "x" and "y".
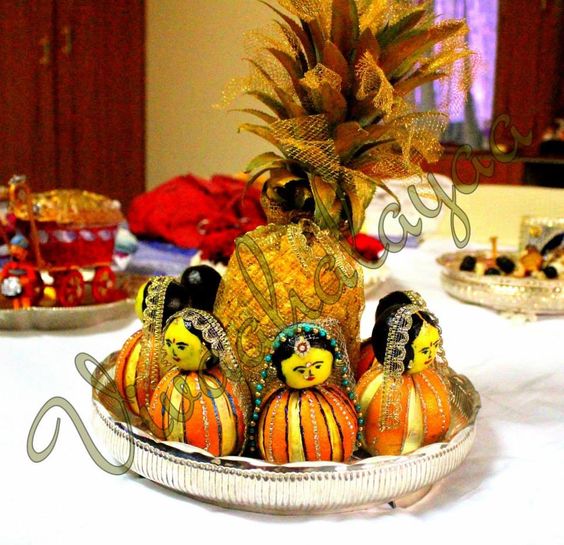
{"x": 70, "y": 236}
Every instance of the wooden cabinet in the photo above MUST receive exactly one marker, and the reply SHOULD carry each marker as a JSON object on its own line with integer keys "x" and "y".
{"x": 72, "y": 94}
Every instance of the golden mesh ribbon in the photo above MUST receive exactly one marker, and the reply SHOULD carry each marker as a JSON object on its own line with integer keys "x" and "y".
{"x": 318, "y": 107}
{"x": 373, "y": 81}
{"x": 152, "y": 340}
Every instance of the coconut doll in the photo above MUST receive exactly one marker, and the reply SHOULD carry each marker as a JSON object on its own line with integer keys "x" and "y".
{"x": 203, "y": 400}
{"x": 405, "y": 395}
{"x": 139, "y": 365}
{"x": 305, "y": 404}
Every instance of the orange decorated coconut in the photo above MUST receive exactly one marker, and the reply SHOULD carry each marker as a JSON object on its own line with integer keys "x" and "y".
{"x": 198, "y": 408}
{"x": 406, "y": 399}
{"x": 140, "y": 365}
{"x": 318, "y": 423}
{"x": 309, "y": 413}
{"x": 202, "y": 400}
{"x": 137, "y": 372}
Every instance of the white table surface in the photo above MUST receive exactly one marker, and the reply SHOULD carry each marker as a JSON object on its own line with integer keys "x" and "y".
{"x": 507, "y": 491}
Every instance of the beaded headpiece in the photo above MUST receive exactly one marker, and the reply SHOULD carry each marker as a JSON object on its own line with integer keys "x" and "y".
{"x": 299, "y": 336}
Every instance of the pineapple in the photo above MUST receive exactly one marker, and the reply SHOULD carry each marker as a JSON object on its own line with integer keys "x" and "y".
{"x": 335, "y": 80}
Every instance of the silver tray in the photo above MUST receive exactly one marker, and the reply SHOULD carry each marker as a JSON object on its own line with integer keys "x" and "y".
{"x": 57, "y": 318}
{"x": 298, "y": 488}
{"x": 502, "y": 293}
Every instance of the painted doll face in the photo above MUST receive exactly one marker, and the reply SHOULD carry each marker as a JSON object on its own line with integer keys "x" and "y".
{"x": 184, "y": 350}
{"x": 425, "y": 348}
{"x": 309, "y": 369}
{"x": 139, "y": 300}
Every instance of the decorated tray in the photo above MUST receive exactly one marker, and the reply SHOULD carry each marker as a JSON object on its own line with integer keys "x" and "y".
{"x": 58, "y": 318}
{"x": 530, "y": 295}
{"x": 297, "y": 488}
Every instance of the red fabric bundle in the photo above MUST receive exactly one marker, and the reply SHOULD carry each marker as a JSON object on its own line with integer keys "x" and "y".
{"x": 367, "y": 246}
{"x": 192, "y": 212}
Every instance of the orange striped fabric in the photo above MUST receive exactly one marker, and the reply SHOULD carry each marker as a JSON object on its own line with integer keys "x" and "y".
{"x": 424, "y": 412}
{"x": 199, "y": 409}
{"x": 317, "y": 423}
{"x": 133, "y": 379}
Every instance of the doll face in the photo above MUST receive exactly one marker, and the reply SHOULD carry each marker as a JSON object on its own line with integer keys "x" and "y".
{"x": 307, "y": 370}
{"x": 184, "y": 350}
{"x": 425, "y": 348}
{"x": 139, "y": 300}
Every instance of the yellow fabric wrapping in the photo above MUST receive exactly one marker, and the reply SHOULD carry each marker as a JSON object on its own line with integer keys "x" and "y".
{"x": 283, "y": 274}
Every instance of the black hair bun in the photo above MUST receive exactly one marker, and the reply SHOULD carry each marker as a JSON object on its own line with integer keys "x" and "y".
{"x": 176, "y": 298}
{"x": 201, "y": 283}
{"x": 384, "y": 323}
{"x": 393, "y": 298}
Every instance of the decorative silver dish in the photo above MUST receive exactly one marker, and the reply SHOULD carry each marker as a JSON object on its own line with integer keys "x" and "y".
{"x": 57, "y": 318}
{"x": 502, "y": 293}
{"x": 298, "y": 488}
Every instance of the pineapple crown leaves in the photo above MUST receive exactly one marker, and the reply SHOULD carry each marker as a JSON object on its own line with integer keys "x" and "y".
{"x": 334, "y": 84}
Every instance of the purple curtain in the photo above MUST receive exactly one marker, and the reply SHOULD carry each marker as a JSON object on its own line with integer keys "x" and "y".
{"x": 472, "y": 124}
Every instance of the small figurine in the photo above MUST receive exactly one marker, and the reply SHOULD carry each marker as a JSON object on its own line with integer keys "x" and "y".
{"x": 544, "y": 264}
{"x": 310, "y": 413}
{"x": 202, "y": 401}
{"x": 405, "y": 394}
{"x": 531, "y": 259}
{"x": 19, "y": 280}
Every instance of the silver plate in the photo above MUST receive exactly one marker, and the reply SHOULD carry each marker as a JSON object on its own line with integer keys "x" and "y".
{"x": 57, "y": 318}
{"x": 299, "y": 488}
{"x": 503, "y": 293}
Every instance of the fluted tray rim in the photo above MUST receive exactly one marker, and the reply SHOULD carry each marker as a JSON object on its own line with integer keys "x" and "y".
{"x": 197, "y": 457}
{"x": 536, "y": 296}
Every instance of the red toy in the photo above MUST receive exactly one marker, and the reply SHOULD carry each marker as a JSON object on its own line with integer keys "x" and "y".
{"x": 71, "y": 234}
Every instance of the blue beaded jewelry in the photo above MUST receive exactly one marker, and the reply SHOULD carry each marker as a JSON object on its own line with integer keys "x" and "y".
{"x": 297, "y": 335}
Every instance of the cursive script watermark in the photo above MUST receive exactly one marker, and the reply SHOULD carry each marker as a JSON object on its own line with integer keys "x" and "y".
{"x": 108, "y": 388}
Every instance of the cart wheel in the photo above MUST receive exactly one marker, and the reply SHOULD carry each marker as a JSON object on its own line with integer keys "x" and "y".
{"x": 103, "y": 284}
{"x": 70, "y": 289}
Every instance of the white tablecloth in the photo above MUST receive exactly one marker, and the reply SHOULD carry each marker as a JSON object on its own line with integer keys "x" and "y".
{"x": 507, "y": 491}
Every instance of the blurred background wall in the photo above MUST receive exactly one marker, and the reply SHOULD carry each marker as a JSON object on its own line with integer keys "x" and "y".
{"x": 193, "y": 48}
